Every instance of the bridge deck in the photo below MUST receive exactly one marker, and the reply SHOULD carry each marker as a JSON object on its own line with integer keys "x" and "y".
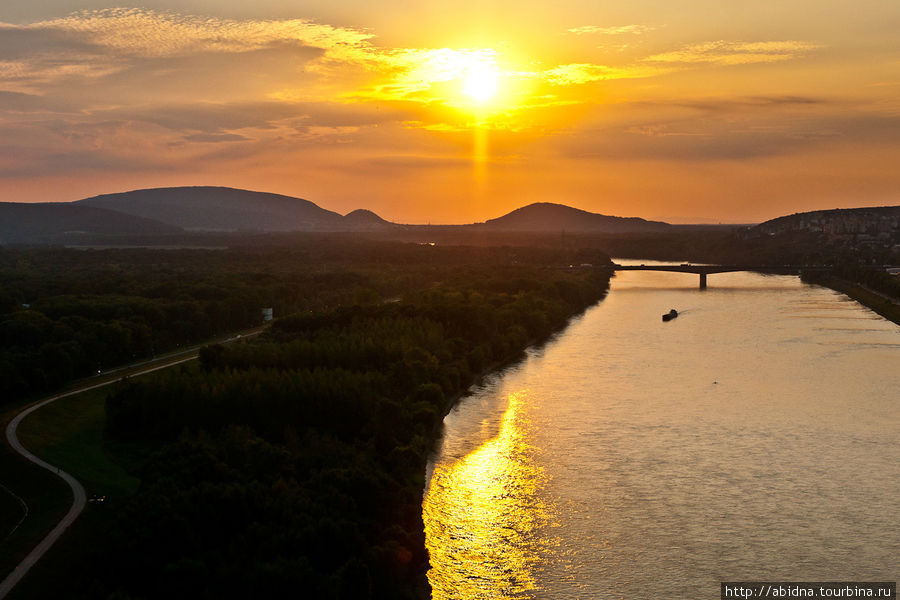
{"x": 704, "y": 270}
{"x": 709, "y": 269}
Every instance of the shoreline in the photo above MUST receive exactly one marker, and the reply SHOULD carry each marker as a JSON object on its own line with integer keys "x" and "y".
{"x": 454, "y": 400}
{"x": 499, "y": 365}
{"x": 874, "y": 301}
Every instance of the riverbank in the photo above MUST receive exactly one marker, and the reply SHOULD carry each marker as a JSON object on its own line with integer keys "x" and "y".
{"x": 880, "y": 303}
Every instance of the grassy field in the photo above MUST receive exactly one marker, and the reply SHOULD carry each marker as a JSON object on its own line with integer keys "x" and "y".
{"x": 47, "y": 496}
{"x": 69, "y": 433}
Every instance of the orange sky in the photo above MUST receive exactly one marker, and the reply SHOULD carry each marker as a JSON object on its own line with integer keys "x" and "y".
{"x": 460, "y": 111}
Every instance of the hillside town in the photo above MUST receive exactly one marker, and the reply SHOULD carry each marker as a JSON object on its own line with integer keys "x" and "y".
{"x": 873, "y": 225}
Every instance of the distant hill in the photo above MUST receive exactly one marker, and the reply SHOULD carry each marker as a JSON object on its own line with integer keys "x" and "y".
{"x": 876, "y": 221}
{"x": 59, "y": 222}
{"x": 221, "y": 209}
{"x": 362, "y": 218}
{"x": 164, "y": 211}
{"x": 546, "y": 216}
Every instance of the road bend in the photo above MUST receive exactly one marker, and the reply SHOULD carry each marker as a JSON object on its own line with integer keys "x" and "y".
{"x": 79, "y": 495}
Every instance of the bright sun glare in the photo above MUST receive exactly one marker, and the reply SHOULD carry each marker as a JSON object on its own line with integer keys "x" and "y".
{"x": 481, "y": 81}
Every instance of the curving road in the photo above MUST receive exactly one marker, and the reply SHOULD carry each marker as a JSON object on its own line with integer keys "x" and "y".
{"x": 79, "y": 495}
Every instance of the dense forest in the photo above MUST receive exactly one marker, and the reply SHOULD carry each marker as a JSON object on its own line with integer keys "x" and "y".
{"x": 294, "y": 464}
{"x": 68, "y": 313}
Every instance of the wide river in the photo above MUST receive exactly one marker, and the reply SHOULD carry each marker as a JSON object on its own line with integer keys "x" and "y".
{"x": 754, "y": 437}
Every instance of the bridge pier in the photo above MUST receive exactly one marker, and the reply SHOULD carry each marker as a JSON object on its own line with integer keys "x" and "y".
{"x": 702, "y": 281}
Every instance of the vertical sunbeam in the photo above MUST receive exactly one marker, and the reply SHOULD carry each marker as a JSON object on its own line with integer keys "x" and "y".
{"x": 480, "y": 155}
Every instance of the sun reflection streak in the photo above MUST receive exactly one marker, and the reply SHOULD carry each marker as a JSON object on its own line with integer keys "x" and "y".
{"x": 483, "y": 517}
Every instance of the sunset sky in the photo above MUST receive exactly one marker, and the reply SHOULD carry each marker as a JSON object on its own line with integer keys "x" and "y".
{"x": 456, "y": 111}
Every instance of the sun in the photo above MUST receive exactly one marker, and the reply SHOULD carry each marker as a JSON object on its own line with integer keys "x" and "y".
{"x": 481, "y": 81}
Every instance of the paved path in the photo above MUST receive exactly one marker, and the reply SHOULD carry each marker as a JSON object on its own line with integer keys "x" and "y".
{"x": 79, "y": 495}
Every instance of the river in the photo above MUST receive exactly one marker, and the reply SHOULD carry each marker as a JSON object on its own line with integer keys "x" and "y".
{"x": 754, "y": 437}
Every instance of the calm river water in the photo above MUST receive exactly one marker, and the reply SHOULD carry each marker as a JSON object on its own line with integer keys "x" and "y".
{"x": 755, "y": 437}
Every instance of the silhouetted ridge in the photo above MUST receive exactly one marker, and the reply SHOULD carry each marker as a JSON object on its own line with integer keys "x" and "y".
{"x": 66, "y": 221}
{"x": 221, "y": 209}
{"x": 547, "y": 216}
{"x": 363, "y": 216}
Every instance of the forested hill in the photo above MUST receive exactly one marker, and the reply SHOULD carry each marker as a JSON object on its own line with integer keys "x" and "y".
{"x": 221, "y": 209}
{"x": 51, "y": 221}
{"x": 546, "y": 216}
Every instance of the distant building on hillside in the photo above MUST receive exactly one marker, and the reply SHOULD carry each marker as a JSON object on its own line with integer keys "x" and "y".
{"x": 854, "y": 228}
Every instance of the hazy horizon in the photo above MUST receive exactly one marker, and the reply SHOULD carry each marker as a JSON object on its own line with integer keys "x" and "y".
{"x": 456, "y": 112}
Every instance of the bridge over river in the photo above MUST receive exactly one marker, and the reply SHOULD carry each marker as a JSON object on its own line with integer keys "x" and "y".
{"x": 704, "y": 270}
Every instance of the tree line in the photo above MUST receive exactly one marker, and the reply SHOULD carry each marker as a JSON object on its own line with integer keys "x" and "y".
{"x": 67, "y": 313}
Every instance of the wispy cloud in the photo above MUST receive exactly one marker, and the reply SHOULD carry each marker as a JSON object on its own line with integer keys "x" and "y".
{"x": 614, "y": 30}
{"x": 148, "y": 33}
{"x": 100, "y": 43}
{"x": 722, "y": 52}
{"x": 581, "y": 73}
{"x": 730, "y": 129}
{"x": 215, "y": 138}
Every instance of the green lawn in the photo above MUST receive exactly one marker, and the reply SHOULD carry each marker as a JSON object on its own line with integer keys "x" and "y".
{"x": 47, "y": 496}
{"x": 69, "y": 433}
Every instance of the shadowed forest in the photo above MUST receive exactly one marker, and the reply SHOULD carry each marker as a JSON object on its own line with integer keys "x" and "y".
{"x": 69, "y": 313}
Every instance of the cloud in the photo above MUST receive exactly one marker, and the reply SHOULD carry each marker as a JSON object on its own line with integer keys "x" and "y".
{"x": 735, "y": 129}
{"x": 211, "y": 75}
{"x": 108, "y": 42}
{"x": 140, "y": 53}
{"x": 20, "y": 42}
{"x": 735, "y": 53}
{"x": 147, "y": 33}
{"x": 216, "y": 137}
{"x": 19, "y": 102}
{"x": 211, "y": 117}
{"x": 736, "y": 104}
{"x": 581, "y": 73}
{"x": 48, "y": 153}
{"x": 207, "y": 117}
{"x": 616, "y": 30}
{"x": 115, "y": 89}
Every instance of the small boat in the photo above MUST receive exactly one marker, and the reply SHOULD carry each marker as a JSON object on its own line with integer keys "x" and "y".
{"x": 670, "y": 315}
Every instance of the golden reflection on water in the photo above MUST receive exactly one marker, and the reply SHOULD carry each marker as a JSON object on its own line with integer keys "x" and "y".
{"x": 482, "y": 517}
